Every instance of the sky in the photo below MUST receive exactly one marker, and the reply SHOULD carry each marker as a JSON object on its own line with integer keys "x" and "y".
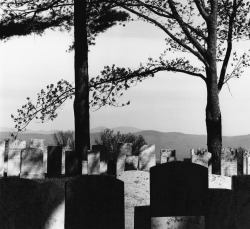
{"x": 169, "y": 102}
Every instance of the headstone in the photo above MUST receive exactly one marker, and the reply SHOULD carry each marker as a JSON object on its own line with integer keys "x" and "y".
{"x": 185, "y": 222}
{"x": 136, "y": 186}
{"x": 241, "y": 187}
{"x": 240, "y": 159}
{"x": 14, "y": 157}
{"x": 246, "y": 163}
{"x": 147, "y": 157}
{"x": 54, "y": 163}
{"x": 124, "y": 149}
{"x": 219, "y": 182}
{"x": 94, "y": 162}
{"x": 201, "y": 157}
{"x": 71, "y": 163}
{"x": 219, "y": 209}
{"x": 84, "y": 167}
{"x": 167, "y": 155}
{"x": 32, "y": 163}
{"x": 94, "y": 202}
{"x": 111, "y": 171}
{"x": 142, "y": 218}
{"x": 131, "y": 163}
{"x": 2, "y": 152}
{"x": 178, "y": 189}
{"x": 37, "y": 144}
{"x": 187, "y": 160}
{"x": 28, "y": 204}
{"x": 229, "y": 162}
{"x": 103, "y": 158}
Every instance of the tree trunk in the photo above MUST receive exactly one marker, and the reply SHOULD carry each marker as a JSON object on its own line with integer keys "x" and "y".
{"x": 81, "y": 103}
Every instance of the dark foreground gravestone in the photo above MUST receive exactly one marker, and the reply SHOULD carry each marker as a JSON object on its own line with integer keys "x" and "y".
{"x": 142, "y": 217}
{"x": 178, "y": 195}
{"x": 94, "y": 202}
{"x": 219, "y": 209}
{"x": 27, "y": 204}
{"x": 178, "y": 189}
{"x": 241, "y": 188}
{"x": 54, "y": 161}
{"x": 111, "y": 171}
{"x": 71, "y": 163}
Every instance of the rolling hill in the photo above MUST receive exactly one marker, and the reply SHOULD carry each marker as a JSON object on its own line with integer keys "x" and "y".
{"x": 182, "y": 143}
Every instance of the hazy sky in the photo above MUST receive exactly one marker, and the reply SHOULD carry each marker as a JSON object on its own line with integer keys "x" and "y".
{"x": 169, "y": 102}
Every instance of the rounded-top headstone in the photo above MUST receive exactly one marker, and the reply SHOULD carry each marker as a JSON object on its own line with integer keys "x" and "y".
{"x": 94, "y": 202}
{"x": 178, "y": 189}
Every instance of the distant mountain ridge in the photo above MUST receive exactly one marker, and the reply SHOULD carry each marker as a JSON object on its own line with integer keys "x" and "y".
{"x": 182, "y": 143}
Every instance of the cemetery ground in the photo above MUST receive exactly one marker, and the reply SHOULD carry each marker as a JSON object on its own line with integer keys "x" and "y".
{"x": 37, "y": 189}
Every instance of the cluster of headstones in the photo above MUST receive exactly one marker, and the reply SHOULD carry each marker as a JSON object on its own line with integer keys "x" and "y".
{"x": 36, "y": 160}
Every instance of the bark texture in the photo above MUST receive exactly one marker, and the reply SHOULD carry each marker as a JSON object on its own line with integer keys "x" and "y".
{"x": 81, "y": 103}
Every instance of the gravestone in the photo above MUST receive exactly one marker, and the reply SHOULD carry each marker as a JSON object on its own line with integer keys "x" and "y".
{"x": 246, "y": 163}
{"x": 2, "y": 152}
{"x": 32, "y": 163}
{"x": 93, "y": 162}
{"x": 111, "y": 171}
{"x": 14, "y": 157}
{"x": 142, "y": 218}
{"x": 241, "y": 187}
{"x": 103, "y": 158}
{"x": 28, "y": 204}
{"x": 167, "y": 155}
{"x": 136, "y": 186}
{"x": 71, "y": 163}
{"x": 124, "y": 149}
{"x": 84, "y": 167}
{"x": 147, "y": 157}
{"x": 40, "y": 144}
{"x": 94, "y": 202}
{"x": 240, "y": 159}
{"x": 229, "y": 162}
{"x": 54, "y": 163}
{"x": 176, "y": 222}
{"x": 131, "y": 163}
{"x": 202, "y": 157}
{"x": 219, "y": 182}
{"x": 187, "y": 160}
{"x": 219, "y": 209}
{"x": 178, "y": 189}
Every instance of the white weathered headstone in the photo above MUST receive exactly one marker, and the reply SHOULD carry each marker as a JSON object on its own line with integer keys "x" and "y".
{"x": 14, "y": 157}
{"x": 93, "y": 162}
{"x": 178, "y": 222}
{"x": 137, "y": 193}
{"x": 202, "y": 157}
{"x": 147, "y": 157}
{"x": 84, "y": 167}
{"x": 131, "y": 163}
{"x": 246, "y": 163}
{"x": 167, "y": 155}
{"x": 219, "y": 182}
{"x": 2, "y": 153}
{"x": 124, "y": 149}
{"x": 229, "y": 162}
{"x": 32, "y": 163}
{"x": 103, "y": 167}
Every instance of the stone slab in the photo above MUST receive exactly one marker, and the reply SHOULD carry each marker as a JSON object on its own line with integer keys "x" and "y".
{"x": 29, "y": 204}
{"x": 124, "y": 149}
{"x": 111, "y": 168}
{"x": 147, "y": 158}
{"x": 178, "y": 189}
{"x": 201, "y": 157}
{"x": 142, "y": 219}
{"x": 54, "y": 161}
{"x": 2, "y": 153}
{"x": 219, "y": 182}
{"x": 103, "y": 167}
{"x": 71, "y": 163}
{"x": 137, "y": 193}
{"x": 94, "y": 202}
{"x": 178, "y": 222}
{"x": 94, "y": 162}
{"x": 131, "y": 163}
{"x": 84, "y": 167}
{"x": 32, "y": 163}
{"x": 220, "y": 209}
{"x": 229, "y": 162}
{"x": 14, "y": 157}
{"x": 166, "y": 154}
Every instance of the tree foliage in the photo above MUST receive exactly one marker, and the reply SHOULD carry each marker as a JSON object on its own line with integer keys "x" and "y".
{"x": 110, "y": 141}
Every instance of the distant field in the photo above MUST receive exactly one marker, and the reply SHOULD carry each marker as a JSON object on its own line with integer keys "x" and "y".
{"x": 182, "y": 143}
